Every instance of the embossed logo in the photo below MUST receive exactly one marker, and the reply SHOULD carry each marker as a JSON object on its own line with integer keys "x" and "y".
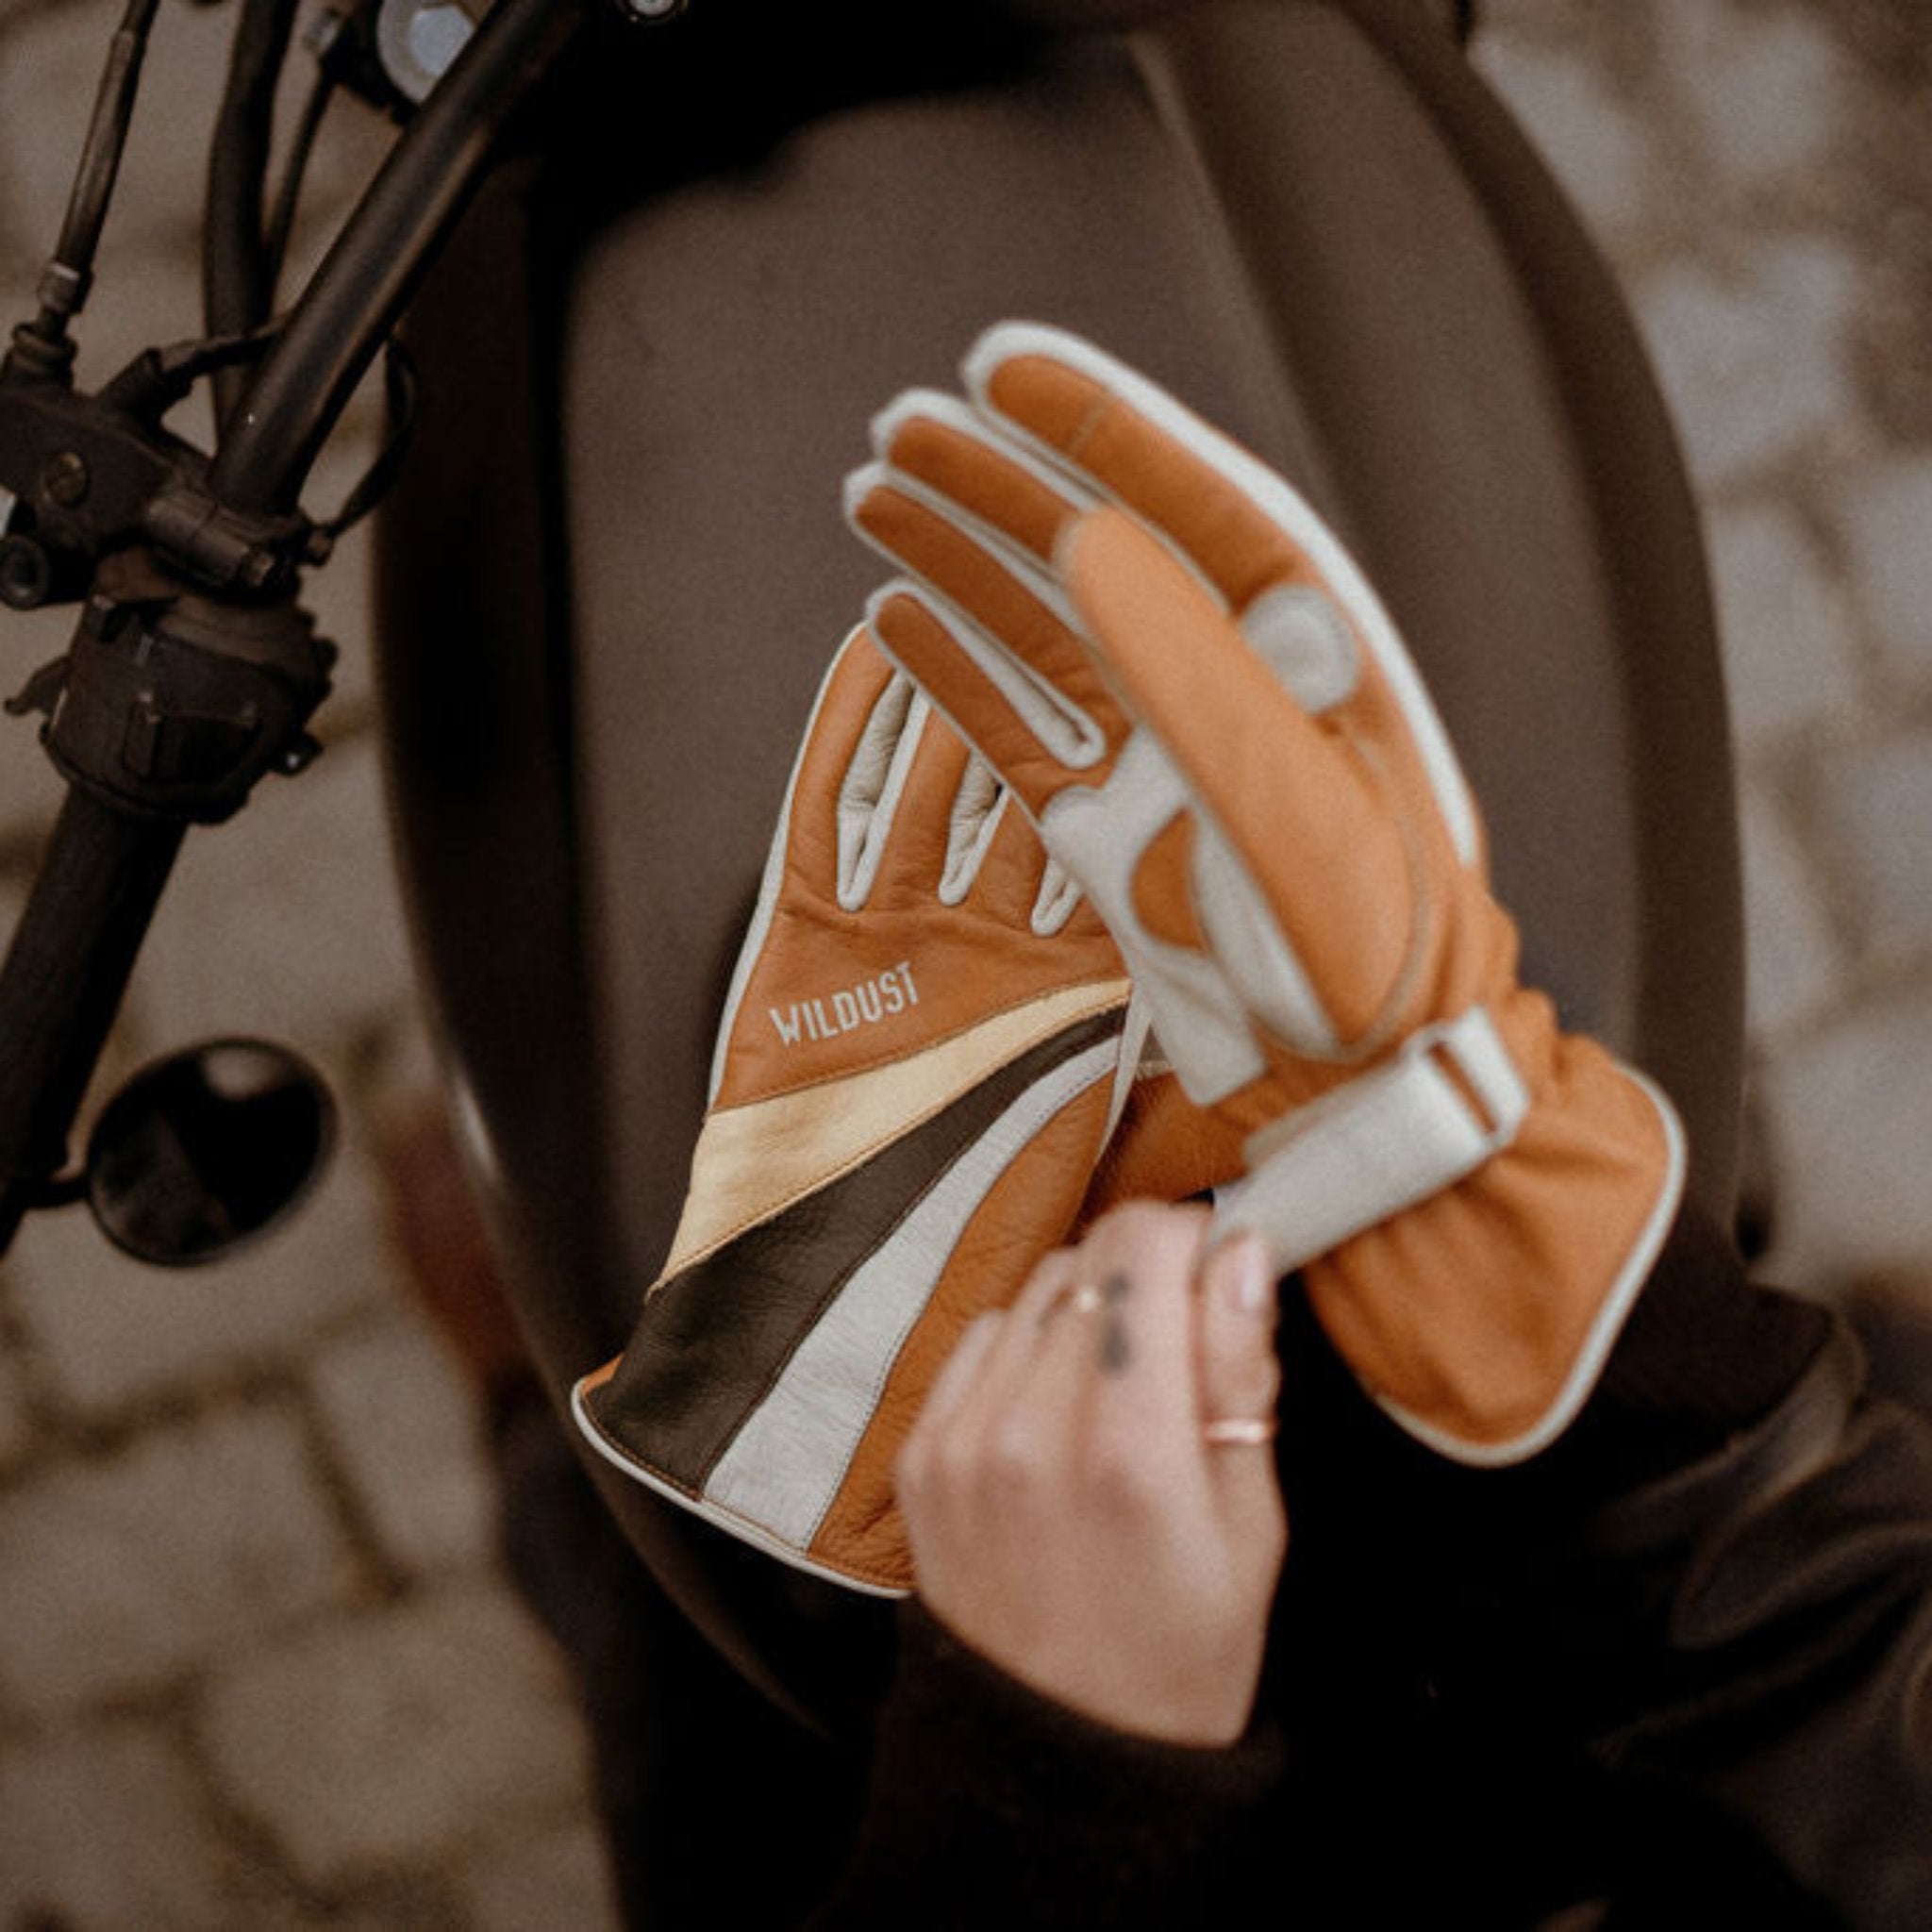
{"x": 848, "y": 1008}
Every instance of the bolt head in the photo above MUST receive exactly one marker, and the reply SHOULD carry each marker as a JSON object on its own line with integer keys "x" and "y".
{"x": 66, "y": 480}
{"x": 26, "y": 574}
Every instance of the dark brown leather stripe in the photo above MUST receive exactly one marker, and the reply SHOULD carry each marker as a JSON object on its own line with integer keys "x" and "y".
{"x": 713, "y": 1340}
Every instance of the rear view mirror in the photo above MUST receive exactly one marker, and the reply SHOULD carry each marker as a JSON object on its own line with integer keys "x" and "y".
{"x": 207, "y": 1148}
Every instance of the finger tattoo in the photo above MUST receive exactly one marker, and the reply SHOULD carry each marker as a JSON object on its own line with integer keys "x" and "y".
{"x": 1116, "y": 1350}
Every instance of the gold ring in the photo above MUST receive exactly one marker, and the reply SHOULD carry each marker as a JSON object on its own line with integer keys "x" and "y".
{"x": 1242, "y": 1431}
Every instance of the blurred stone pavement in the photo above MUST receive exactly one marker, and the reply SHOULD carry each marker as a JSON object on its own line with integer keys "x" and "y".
{"x": 258, "y": 1664}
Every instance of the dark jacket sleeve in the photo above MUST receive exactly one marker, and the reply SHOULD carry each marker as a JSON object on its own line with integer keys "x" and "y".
{"x": 997, "y": 1809}
{"x": 1736, "y": 1624}
{"x": 1764, "y": 1623}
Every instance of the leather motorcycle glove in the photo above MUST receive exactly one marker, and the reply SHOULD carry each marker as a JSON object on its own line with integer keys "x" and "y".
{"x": 920, "y": 1060}
{"x": 1171, "y": 660}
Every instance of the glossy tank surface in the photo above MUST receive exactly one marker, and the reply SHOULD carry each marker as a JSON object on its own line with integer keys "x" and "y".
{"x": 608, "y": 592}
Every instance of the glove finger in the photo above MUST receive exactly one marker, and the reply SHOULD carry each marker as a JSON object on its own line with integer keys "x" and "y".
{"x": 1248, "y": 532}
{"x": 816, "y": 847}
{"x": 944, "y": 450}
{"x": 1011, "y": 593}
{"x": 940, "y": 813}
{"x": 1136, "y": 446}
{"x": 878, "y": 796}
{"x": 850, "y": 767}
{"x": 1059, "y": 902}
{"x": 976, "y": 811}
{"x": 962, "y": 841}
{"x": 1032, "y": 735}
{"x": 1013, "y": 881}
{"x": 922, "y": 820}
{"x": 1017, "y": 620}
{"x": 1296, "y": 814}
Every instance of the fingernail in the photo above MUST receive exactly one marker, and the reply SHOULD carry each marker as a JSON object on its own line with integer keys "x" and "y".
{"x": 1249, "y": 1281}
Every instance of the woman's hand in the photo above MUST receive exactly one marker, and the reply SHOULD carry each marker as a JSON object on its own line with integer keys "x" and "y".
{"x": 1090, "y": 1490}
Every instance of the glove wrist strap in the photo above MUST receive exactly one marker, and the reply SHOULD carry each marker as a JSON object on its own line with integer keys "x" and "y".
{"x": 1443, "y": 1107}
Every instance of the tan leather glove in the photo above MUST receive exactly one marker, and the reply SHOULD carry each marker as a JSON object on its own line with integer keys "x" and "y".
{"x": 919, "y": 1063}
{"x": 1164, "y": 652}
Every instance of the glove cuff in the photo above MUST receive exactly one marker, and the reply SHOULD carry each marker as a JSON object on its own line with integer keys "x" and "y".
{"x": 1447, "y": 1104}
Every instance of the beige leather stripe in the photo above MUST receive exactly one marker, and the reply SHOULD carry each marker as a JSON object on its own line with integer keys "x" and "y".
{"x": 753, "y": 1161}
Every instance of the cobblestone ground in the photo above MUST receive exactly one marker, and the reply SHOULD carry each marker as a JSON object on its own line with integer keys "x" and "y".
{"x": 258, "y": 1664}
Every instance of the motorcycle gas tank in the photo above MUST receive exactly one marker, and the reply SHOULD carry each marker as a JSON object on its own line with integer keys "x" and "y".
{"x": 616, "y": 567}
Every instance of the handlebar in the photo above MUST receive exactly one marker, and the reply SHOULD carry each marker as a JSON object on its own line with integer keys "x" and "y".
{"x": 101, "y": 876}
{"x": 115, "y": 839}
{"x": 361, "y": 286}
